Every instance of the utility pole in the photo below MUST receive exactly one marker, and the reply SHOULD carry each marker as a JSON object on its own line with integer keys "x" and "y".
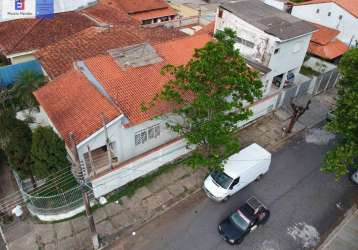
{"x": 298, "y": 111}
{"x": 95, "y": 240}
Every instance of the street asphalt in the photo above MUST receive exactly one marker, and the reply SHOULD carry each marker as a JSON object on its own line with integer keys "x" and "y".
{"x": 305, "y": 205}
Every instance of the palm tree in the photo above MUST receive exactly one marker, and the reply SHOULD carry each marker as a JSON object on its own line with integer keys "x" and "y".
{"x": 25, "y": 83}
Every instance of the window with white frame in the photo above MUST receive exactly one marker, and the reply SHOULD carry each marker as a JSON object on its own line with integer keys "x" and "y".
{"x": 144, "y": 135}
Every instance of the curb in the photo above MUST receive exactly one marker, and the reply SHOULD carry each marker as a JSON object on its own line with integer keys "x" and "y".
{"x": 331, "y": 236}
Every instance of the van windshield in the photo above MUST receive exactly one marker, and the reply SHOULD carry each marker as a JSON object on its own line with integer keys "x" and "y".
{"x": 221, "y": 179}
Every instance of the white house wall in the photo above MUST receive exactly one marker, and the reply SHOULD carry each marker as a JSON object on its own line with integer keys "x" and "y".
{"x": 123, "y": 138}
{"x": 290, "y": 56}
{"x": 133, "y": 170}
{"x": 263, "y": 42}
{"x": 348, "y": 25}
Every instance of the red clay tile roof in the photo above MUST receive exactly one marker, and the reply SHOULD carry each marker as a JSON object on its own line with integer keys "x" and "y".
{"x": 325, "y": 44}
{"x": 72, "y": 104}
{"x": 350, "y": 5}
{"x": 329, "y": 51}
{"x": 109, "y": 14}
{"x": 136, "y": 6}
{"x": 154, "y": 14}
{"x": 30, "y": 34}
{"x": 208, "y": 29}
{"x": 324, "y": 35}
{"x": 58, "y": 58}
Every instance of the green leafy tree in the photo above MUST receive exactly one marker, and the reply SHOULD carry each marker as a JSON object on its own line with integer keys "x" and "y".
{"x": 345, "y": 120}
{"x": 18, "y": 149}
{"x": 48, "y": 152}
{"x": 209, "y": 93}
{"x": 25, "y": 83}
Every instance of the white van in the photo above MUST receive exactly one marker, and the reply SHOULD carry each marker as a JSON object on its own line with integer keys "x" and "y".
{"x": 239, "y": 170}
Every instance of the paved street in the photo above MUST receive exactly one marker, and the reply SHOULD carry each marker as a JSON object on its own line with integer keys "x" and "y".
{"x": 305, "y": 204}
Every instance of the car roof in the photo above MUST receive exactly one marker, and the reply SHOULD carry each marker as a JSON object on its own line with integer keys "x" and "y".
{"x": 246, "y": 158}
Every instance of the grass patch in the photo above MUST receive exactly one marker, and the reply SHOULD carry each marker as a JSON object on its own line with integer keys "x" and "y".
{"x": 130, "y": 189}
{"x": 308, "y": 71}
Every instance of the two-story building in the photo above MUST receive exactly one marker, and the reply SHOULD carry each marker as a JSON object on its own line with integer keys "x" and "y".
{"x": 268, "y": 36}
{"x": 341, "y": 15}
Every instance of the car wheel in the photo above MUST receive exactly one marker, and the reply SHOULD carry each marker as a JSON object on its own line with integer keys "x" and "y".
{"x": 259, "y": 177}
{"x": 265, "y": 218}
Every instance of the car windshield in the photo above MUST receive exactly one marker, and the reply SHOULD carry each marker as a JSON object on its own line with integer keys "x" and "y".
{"x": 240, "y": 220}
{"x": 221, "y": 179}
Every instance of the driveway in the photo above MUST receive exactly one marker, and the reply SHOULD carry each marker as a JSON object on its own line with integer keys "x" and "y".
{"x": 305, "y": 204}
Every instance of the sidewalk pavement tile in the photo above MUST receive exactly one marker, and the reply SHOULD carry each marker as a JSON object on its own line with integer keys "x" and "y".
{"x": 151, "y": 203}
{"x": 105, "y": 228}
{"x": 69, "y": 243}
{"x": 123, "y": 219}
{"x": 142, "y": 193}
{"x": 51, "y": 246}
{"x": 63, "y": 229}
{"x": 159, "y": 183}
{"x": 46, "y": 232}
{"x": 180, "y": 172}
{"x": 27, "y": 242}
{"x": 99, "y": 215}
{"x": 164, "y": 196}
{"x": 176, "y": 189}
{"x": 188, "y": 182}
{"x": 84, "y": 239}
{"x": 113, "y": 209}
{"x": 129, "y": 203}
{"x": 80, "y": 223}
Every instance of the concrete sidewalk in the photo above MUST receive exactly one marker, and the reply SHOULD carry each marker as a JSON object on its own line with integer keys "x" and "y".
{"x": 345, "y": 235}
{"x": 148, "y": 202}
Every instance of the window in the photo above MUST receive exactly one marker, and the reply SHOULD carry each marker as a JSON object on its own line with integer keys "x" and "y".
{"x": 245, "y": 42}
{"x": 317, "y": 11}
{"x": 329, "y": 13}
{"x": 137, "y": 139}
{"x": 144, "y": 135}
{"x": 276, "y": 51}
{"x": 220, "y": 14}
{"x": 236, "y": 181}
{"x": 340, "y": 17}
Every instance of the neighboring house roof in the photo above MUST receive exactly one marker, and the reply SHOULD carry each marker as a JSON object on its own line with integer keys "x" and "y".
{"x": 58, "y": 57}
{"x": 349, "y": 5}
{"x": 137, "y": 6}
{"x": 269, "y": 19}
{"x": 24, "y": 35}
{"x": 325, "y": 44}
{"x": 143, "y": 10}
{"x": 73, "y": 104}
{"x": 108, "y": 14}
{"x": 324, "y": 34}
{"x": 154, "y": 14}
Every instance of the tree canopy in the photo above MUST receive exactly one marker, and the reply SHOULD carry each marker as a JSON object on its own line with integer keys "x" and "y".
{"x": 48, "y": 152}
{"x": 18, "y": 146}
{"x": 345, "y": 120}
{"x": 211, "y": 93}
{"x": 25, "y": 83}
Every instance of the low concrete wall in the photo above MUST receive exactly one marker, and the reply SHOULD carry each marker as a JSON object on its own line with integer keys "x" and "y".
{"x": 140, "y": 167}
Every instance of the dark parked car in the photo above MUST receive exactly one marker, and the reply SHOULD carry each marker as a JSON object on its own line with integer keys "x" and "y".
{"x": 243, "y": 221}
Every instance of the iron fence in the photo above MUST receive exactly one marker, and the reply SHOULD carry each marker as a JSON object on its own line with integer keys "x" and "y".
{"x": 61, "y": 203}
